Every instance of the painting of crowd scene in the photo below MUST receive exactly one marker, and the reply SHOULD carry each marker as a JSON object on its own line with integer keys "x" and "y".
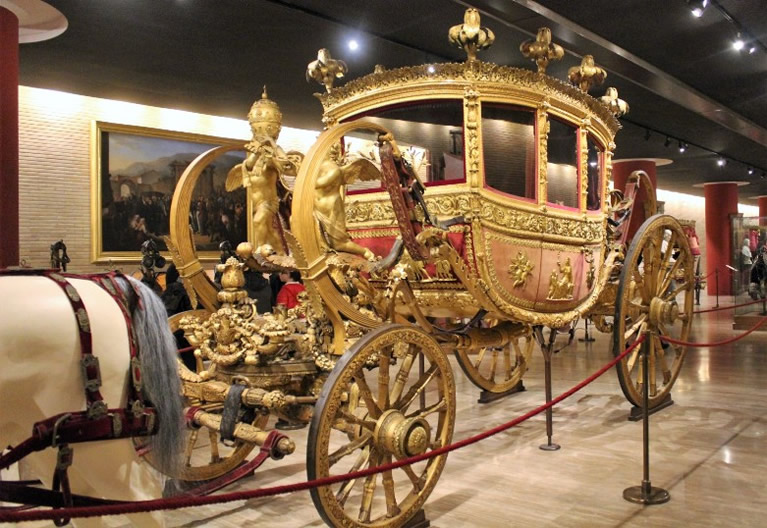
{"x": 138, "y": 176}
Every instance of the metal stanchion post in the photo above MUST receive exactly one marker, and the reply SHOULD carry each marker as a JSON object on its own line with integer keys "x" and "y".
{"x": 646, "y": 493}
{"x": 716, "y": 277}
{"x": 586, "y": 337}
{"x": 547, "y": 349}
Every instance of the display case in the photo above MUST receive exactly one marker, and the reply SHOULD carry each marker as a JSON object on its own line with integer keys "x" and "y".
{"x": 749, "y": 236}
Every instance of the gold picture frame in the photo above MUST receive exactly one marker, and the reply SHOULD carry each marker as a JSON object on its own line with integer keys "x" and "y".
{"x": 134, "y": 171}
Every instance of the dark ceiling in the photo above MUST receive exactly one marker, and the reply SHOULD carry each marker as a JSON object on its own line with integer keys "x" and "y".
{"x": 680, "y": 74}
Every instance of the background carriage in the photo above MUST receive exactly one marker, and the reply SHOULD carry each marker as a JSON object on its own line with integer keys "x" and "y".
{"x": 485, "y": 215}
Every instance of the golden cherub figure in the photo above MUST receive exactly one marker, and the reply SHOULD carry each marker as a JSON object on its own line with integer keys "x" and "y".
{"x": 470, "y": 35}
{"x": 519, "y": 269}
{"x": 542, "y": 50}
{"x": 325, "y": 70}
{"x": 329, "y": 195}
{"x": 261, "y": 172}
{"x": 587, "y": 75}
{"x": 617, "y": 106}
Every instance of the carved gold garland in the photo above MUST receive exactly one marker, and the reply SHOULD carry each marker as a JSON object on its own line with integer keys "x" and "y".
{"x": 472, "y": 120}
{"x": 513, "y": 221}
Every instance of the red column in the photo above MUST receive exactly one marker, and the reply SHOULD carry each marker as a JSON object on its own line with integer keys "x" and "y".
{"x": 622, "y": 169}
{"x": 721, "y": 203}
{"x": 762, "y": 209}
{"x": 9, "y": 139}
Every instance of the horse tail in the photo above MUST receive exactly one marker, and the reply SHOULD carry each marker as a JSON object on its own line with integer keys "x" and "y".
{"x": 159, "y": 373}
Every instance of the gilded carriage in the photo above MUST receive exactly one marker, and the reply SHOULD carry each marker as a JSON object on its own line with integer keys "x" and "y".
{"x": 445, "y": 209}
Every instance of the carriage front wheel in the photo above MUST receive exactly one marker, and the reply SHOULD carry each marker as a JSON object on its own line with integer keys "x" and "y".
{"x": 656, "y": 291}
{"x": 389, "y": 397}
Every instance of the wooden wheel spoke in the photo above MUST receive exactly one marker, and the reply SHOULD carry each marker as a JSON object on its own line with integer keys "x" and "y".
{"x": 435, "y": 407}
{"x": 653, "y": 351}
{"x": 367, "y": 395}
{"x": 418, "y": 482}
{"x": 383, "y": 379}
{"x": 214, "y": 455}
{"x": 349, "y": 448}
{"x": 346, "y": 488}
{"x": 368, "y": 491}
{"x": 634, "y": 328}
{"x": 402, "y": 374}
{"x": 189, "y": 448}
{"x": 669, "y": 277}
{"x": 507, "y": 363}
{"x": 633, "y": 358}
{"x": 670, "y": 294}
{"x": 493, "y": 365}
{"x": 350, "y": 418}
{"x": 416, "y": 389}
{"x": 392, "y": 510}
{"x": 669, "y": 250}
{"x": 480, "y": 356}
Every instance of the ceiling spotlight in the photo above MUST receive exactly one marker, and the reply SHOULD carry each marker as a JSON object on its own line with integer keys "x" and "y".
{"x": 354, "y": 45}
{"x": 647, "y": 134}
{"x": 667, "y": 142}
{"x": 721, "y": 162}
{"x": 430, "y": 69}
{"x": 750, "y": 171}
{"x": 592, "y": 163}
{"x": 682, "y": 147}
{"x": 738, "y": 43}
{"x": 697, "y": 7}
{"x": 752, "y": 50}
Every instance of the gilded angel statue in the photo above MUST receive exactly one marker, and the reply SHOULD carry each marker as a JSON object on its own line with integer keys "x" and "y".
{"x": 261, "y": 173}
{"x": 330, "y": 191}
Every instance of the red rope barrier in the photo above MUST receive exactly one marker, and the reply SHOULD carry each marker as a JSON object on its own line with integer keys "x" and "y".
{"x": 187, "y": 349}
{"x": 758, "y": 301}
{"x": 720, "y": 343}
{"x": 175, "y": 503}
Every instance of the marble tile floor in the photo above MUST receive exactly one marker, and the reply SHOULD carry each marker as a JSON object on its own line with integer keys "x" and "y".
{"x": 707, "y": 450}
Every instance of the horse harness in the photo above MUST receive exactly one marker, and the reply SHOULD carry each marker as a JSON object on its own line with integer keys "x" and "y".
{"x": 97, "y": 421}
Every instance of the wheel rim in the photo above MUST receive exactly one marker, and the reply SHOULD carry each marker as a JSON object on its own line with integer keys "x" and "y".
{"x": 369, "y": 416}
{"x": 658, "y": 295}
{"x": 498, "y": 369}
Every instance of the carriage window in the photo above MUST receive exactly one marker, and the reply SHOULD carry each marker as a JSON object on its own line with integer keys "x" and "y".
{"x": 562, "y": 168}
{"x": 594, "y": 171}
{"x": 430, "y": 136}
{"x": 508, "y": 144}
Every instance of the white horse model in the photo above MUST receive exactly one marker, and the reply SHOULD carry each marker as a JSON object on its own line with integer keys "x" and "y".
{"x": 40, "y": 376}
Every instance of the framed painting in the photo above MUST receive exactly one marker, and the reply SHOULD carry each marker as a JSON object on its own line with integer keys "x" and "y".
{"x": 134, "y": 172}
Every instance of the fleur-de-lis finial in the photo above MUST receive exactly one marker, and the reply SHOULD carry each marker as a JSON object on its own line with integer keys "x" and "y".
{"x": 587, "y": 74}
{"x": 470, "y": 35}
{"x": 617, "y": 106}
{"x": 542, "y": 50}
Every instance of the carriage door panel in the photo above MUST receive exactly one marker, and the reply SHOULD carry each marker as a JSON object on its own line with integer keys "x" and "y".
{"x": 568, "y": 276}
{"x": 514, "y": 267}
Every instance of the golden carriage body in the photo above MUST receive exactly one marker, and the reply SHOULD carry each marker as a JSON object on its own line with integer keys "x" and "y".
{"x": 514, "y": 230}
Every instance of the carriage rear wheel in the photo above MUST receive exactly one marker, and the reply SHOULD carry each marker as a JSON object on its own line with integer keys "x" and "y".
{"x": 498, "y": 369}
{"x": 390, "y": 396}
{"x": 656, "y": 292}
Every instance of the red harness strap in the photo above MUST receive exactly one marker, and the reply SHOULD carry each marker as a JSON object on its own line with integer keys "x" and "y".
{"x": 97, "y": 422}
